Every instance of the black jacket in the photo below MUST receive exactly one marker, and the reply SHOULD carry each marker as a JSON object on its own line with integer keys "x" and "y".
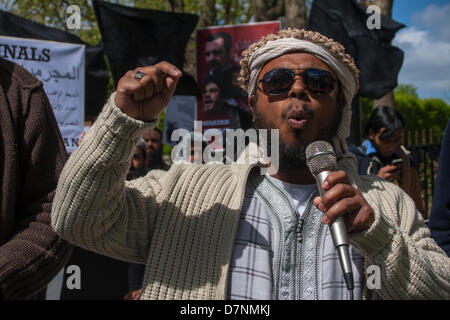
{"x": 440, "y": 211}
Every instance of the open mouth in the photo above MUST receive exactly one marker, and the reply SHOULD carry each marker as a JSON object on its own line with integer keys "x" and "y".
{"x": 297, "y": 120}
{"x": 208, "y": 104}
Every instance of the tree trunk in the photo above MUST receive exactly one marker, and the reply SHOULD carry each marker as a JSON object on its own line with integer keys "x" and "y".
{"x": 267, "y": 10}
{"x": 207, "y": 17}
{"x": 226, "y": 5}
{"x": 208, "y": 13}
{"x": 386, "y": 9}
{"x": 174, "y": 5}
{"x": 295, "y": 13}
{"x": 189, "y": 57}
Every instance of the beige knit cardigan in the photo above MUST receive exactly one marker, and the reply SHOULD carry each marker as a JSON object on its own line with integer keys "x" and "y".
{"x": 182, "y": 223}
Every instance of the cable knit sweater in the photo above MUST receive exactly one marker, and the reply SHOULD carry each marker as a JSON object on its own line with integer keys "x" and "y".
{"x": 32, "y": 155}
{"x": 182, "y": 223}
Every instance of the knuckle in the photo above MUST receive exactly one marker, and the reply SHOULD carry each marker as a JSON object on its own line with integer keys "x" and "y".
{"x": 157, "y": 70}
{"x": 338, "y": 207}
{"x": 341, "y": 188}
{"x": 331, "y": 178}
{"x": 148, "y": 70}
{"x": 326, "y": 199}
{"x": 164, "y": 63}
{"x": 346, "y": 205}
{"x": 152, "y": 70}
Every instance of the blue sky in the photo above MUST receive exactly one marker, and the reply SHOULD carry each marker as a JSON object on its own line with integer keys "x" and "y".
{"x": 426, "y": 43}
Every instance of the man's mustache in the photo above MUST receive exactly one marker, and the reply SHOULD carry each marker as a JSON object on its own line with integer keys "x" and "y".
{"x": 297, "y": 110}
{"x": 213, "y": 64}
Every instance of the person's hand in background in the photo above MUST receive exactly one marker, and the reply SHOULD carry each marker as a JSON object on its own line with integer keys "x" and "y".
{"x": 133, "y": 295}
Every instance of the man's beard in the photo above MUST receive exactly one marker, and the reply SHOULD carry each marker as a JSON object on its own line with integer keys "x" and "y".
{"x": 213, "y": 65}
{"x": 155, "y": 159}
{"x": 293, "y": 157}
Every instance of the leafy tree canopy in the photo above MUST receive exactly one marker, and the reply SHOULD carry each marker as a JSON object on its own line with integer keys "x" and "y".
{"x": 429, "y": 113}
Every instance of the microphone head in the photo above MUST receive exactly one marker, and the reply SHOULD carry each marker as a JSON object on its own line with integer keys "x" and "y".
{"x": 320, "y": 157}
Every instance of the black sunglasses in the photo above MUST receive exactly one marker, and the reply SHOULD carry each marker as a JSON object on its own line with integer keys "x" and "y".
{"x": 279, "y": 81}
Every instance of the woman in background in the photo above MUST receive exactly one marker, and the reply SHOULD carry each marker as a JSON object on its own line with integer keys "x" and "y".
{"x": 388, "y": 158}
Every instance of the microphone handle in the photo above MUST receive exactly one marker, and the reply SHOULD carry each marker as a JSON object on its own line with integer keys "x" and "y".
{"x": 340, "y": 237}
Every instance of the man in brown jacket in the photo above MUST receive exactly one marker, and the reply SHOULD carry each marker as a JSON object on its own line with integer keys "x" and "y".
{"x": 32, "y": 155}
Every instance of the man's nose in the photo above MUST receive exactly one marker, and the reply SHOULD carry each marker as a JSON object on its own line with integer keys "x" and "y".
{"x": 298, "y": 89}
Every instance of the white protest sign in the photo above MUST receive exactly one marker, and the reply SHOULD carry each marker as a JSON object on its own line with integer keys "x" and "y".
{"x": 180, "y": 113}
{"x": 60, "y": 67}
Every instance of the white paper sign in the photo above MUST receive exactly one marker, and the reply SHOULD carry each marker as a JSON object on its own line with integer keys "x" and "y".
{"x": 60, "y": 67}
{"x": 180, "y": 113}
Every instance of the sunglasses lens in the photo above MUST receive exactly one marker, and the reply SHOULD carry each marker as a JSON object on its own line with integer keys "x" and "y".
{"x": 277, "y": 81}
{"x": 318, "y": 81}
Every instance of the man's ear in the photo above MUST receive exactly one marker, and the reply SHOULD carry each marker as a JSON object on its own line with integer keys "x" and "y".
{"x": 251, "y": 105}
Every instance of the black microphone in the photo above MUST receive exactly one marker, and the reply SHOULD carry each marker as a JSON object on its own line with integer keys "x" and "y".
{"x": 321, "y": 161}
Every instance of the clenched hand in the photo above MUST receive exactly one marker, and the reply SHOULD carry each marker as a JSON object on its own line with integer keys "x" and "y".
{"x": 144, "y": 99}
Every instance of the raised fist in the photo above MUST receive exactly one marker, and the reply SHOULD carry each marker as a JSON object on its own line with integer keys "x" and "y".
{"x": 143, "y": 98}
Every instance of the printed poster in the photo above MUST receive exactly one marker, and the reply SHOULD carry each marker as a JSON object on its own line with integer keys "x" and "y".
{"x": 60, "y": 67}
{"x": 223, "y": 104}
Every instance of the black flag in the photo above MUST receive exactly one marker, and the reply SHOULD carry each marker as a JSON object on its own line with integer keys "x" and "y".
{"x": 378, "y": 61}
{"x": 137, "y": 37}
{"x": 96, "y": 72}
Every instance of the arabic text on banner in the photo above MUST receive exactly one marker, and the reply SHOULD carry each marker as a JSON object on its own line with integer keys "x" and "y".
{"x": 60, "y": 67}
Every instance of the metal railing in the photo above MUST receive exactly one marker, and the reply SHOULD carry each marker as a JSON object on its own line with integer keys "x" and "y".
{"x": 425, "y": 147}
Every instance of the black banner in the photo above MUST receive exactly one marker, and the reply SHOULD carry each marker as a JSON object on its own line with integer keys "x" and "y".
{"x": 378, "y": 61}
{"x": 139, "y": 37}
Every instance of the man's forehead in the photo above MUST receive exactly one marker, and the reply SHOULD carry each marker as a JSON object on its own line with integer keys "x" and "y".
{"x": 214, "y": 43}
{"x": 152, "y": 134}
{"x": 211, "y": 85}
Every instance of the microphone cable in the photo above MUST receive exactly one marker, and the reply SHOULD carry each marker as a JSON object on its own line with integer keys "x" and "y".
{"x": 349, "y": 282}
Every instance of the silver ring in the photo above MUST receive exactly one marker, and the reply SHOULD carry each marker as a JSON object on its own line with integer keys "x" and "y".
{"x": 138, "y": 75}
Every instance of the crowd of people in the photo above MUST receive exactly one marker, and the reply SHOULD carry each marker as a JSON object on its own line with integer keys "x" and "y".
{"x": 192, "y": 231}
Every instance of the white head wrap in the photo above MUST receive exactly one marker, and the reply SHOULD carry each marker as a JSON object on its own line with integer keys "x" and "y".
{"x": 276, "y": 48}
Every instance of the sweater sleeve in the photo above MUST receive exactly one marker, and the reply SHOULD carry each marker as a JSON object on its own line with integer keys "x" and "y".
{"x": 398, "y": 242}
{"x": 34, "y": 254}
{"x": 94, "y": 207}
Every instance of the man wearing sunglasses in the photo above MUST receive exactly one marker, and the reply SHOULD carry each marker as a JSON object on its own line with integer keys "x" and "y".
{"x": 225, "y": 231}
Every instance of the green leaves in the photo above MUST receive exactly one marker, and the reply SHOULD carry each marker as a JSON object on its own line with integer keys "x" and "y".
{"x": 419, "y": 113}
